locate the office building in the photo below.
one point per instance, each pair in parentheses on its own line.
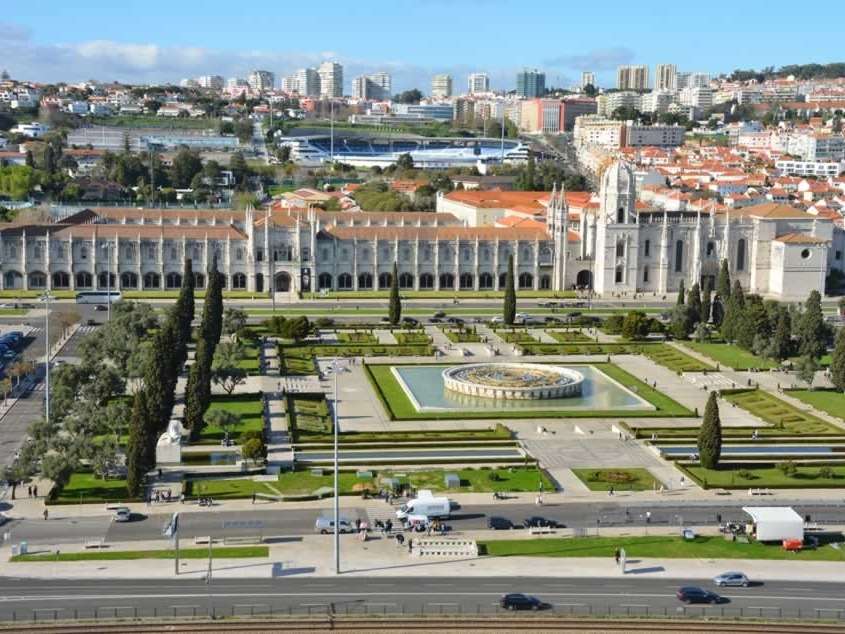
(588,79)
(632,77)
(371,87)
(384,81)
(236,82)
(331,80)
(478,82)
(211,82)
(553,116)
(530,84)
(441,86)
(436,111)
(306,82)
(261,80)
(665,76)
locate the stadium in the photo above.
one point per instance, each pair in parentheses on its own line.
(362,151)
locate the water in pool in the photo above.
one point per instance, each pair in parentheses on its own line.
(424,386)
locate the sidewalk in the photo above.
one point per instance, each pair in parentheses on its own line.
(312,556)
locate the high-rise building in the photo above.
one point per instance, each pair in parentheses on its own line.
(371,87)
(306,82)
(261,80)
(632,77)
(530,83)
(331,80)
(441,86)
(478,82)
(236,82)
(698,80)
(665,76)
(588,79)
(212,82)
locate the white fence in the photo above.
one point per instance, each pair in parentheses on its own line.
(425,547)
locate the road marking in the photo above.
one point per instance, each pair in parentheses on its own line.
(633,605)
(183,607)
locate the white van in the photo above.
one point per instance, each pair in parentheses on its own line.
(425,504)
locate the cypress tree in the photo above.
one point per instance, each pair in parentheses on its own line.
(837,362)
(723,284)
(509,308)
(185,303)
(812,330)
(710,435)
(694,304)
(681,294)
(137,447)
(198,390)
(395,307)
(782,338)
(733,312)
(706,301)
(212,314)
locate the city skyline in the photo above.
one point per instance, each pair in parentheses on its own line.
(36,44)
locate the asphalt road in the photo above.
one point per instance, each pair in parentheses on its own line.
(47,599)
(65,526)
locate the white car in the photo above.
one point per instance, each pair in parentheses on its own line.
(122,514)
(731,579)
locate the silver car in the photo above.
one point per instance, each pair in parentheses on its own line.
(325,525)
(731,579)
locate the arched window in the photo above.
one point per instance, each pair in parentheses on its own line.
(365,280)
(466,281)
(172,280)
(503,280)
(61,280)
(37,279)
(740,255)
(344,281)
(384,280)
(128,280)
(152,280)
(679,256)
(406,280)
(426,280)
(239,281)
(105,280)
(620,215)
(84,280)
(199,280)
(711,249)
(447,281)
(526,280)
(485,281)
(545,282)
(259,283)
(324,281)
(619,274)
(83,253)
(620,248)
(12,279)
(645,274)
(224,281)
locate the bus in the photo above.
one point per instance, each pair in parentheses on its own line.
(98,297)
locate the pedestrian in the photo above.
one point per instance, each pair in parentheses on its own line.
(253,498)
(610,491)
(46,514)
(410,545)
(35,491)
(648,517)
(617,556)
(29,492)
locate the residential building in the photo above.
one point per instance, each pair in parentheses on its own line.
(478,82)
(696,97)
(611,134)
(632,77)
(385,82)
(441,86)
(371,87)
(307,81)
(464,111)
(530,84)
(435,111)
(823,169)
(665,76)
(625,99)
(210,82)
(656,101)
(261,80)
(34,130)
(331,80)
(234,83)
(637,135)
(553,116)
(588,79)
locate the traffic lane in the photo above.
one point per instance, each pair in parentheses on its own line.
(410,595)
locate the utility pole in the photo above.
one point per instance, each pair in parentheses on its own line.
(336,487)
(46,298)
(331,125)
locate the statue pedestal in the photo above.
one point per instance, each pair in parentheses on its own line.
(169,445)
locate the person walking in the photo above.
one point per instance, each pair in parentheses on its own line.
(46,514)
(29,491)
(617,556)
(648,517)
(35,491)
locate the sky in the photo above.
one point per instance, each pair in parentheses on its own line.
(159,41)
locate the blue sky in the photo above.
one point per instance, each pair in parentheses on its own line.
(156,40)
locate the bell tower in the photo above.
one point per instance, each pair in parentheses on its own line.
(617,231)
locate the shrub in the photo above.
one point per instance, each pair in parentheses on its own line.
(826,472)
(788,468)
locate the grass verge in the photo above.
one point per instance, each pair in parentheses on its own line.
(624,479)
(220,552)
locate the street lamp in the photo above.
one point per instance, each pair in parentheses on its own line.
(46,297)
(335,368)
(109,247)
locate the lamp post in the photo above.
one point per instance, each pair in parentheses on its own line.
(109,247)
(336,477)
(46,297)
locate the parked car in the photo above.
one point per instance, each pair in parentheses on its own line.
(693,594)
(439,314)
(410,321)
(455,320)
(325,525)
(518,601)
(100,308)
(435,320)
(122,514)
(498,319)
(536,521)
(731,579)
(499,523)
(553,320)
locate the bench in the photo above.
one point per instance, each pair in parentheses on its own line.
(94,543)
(203,540)
(759,492)
(247,539)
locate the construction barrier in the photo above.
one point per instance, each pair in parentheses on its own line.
(425,547)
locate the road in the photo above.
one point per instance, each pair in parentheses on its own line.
(47,599)
(65,525)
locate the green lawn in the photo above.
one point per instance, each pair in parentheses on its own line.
(657,547)
(783,417)
(251,361)
(584,348)
(515,479)
(296,361)
(675,360)
(84,487)
(516,336)
(568,336)
(500,432)
(412,338)
(444,295)
(622,479)
(21,294)
(13,312)
(381,350)
(829,401)
(767,476)
(400,407)
(308,414)
(356,337)
(731,356)
(218,552)
(461,336)
(152,121)
(248,406)
(226,488)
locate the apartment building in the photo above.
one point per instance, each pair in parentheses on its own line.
(530,84)
(441,86)
(478,83)
(331,80)
(371,87)
(632,77)
(553,116)
(588,79)
(665,76)
(261,80)
(210,82)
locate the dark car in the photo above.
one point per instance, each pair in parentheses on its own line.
(101,308)
(439,314)
(517,601)
(410,321)
(499,523)
(539,522)
(435,320)
(455,320)
(693,594)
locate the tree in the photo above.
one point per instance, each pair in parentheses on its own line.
(226,370)
(635,325)
(694,303)
(807,367)
(224,419)
(753,323)
(408,96)
(813,333)
(509,308)
(590,90)
(405,162)
(782,336)
(198,389)
(137,446)
(681,294)
(234,320)
(394,310)
(254,450)
(733,312)
(185,302)
(297,328)
(723,292)
(706,301)
(161,376)
(681,324)
(710,435)
(837,362)
(186,164)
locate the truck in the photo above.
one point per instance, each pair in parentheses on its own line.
(425,504)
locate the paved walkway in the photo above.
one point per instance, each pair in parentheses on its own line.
(279,450)
(385,337)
